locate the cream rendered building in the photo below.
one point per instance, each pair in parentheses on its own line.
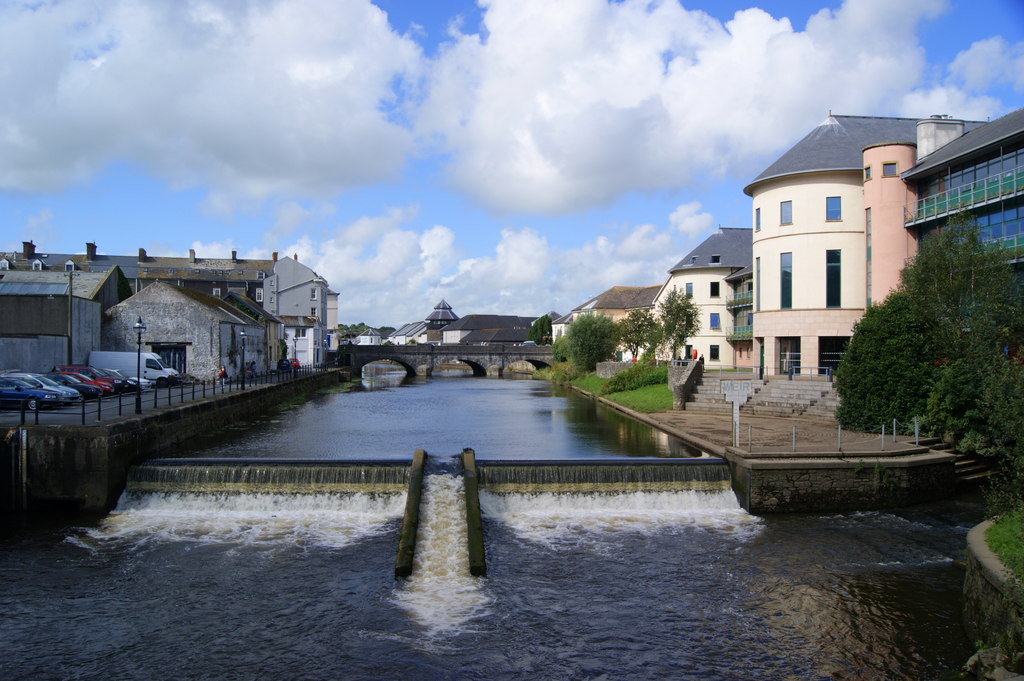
(703,274)
(810,241)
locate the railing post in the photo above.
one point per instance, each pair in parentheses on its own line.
(883,437)
(840,438)
(794,438)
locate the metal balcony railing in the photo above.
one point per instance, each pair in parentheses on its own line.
(740,332)
(977,193)
(740,300)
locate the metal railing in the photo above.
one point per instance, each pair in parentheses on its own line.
(967,196)
(740,332)
(85,412)
(740,299)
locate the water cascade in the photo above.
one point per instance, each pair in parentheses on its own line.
(605,476)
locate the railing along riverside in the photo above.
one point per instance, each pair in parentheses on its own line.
(966,196)
(115,406)
(825,438)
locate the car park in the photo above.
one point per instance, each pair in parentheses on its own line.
(14,393)
(107,386)
(70,396)
(143,383)
(115,385)
(87,391)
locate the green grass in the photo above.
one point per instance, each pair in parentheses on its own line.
(1006,539)
(590,382)
(646,399)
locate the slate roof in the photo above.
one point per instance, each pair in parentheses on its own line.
(622,298)
(53,282)
(732,245)
(473,322)
(837,144)
(495,336)
(442,313)
(410,329)
(975,141)
(741,273)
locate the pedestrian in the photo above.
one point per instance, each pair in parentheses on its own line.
(222,374)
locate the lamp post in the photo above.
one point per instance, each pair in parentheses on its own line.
(242,334)
(140,328)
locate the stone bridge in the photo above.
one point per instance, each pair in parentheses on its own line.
(420,360)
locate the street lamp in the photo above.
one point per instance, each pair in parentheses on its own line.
(242,334)
(140,328)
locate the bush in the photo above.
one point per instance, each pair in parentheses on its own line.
(637,376)
(559,349)
(589,340)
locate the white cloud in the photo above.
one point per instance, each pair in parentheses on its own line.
(250,98)
(689,221)
(556,108)
(989,62)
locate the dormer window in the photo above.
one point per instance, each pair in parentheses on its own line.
(69,266)
(5,264)
(716,259)
(37,265)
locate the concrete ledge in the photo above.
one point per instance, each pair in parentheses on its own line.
(993,602)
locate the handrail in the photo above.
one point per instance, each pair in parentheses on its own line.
(966,196)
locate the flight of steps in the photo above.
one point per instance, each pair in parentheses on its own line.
(775,397)
(971,469)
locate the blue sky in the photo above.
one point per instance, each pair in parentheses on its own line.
(511,156)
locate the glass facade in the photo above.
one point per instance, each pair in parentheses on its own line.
(786,281)
(833,278)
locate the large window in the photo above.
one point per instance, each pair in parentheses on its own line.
(786,281)
(757,284)
(716,320)
(689,289)
(833,279)
(786,213)
(757,219)
(833,208)
(713,352)
(714,289)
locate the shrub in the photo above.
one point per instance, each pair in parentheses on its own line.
(589,340)
(637,376)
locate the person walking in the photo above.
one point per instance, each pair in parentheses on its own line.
(222,374)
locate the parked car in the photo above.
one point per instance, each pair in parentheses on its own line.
(70,396)
(130,363)
(88,392)
(106,386)
(284,364)
(136,383)
(117,385)
(14,392)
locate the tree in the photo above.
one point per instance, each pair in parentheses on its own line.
(540,331)
(680,319)
(637,330)
(590,339)
(888,371)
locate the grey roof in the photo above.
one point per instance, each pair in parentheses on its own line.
(622,298)
(495,336)
(740,274)
(442,313)
(86,284)
(732,245)
(410,329)
(473,322)
(838,143)
(974,142)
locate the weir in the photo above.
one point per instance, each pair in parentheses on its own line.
(604,476)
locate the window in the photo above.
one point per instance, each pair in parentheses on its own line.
(689,289)
(757,219)
(867,173)
(261,275)
(69,266)
(312,312)
(786,281)
(713,353)
(300,333)
(216,293)
(833,278)
(259,295)
(37,265)
(786,213)
(757,284)
(890,169)
(833,208)
(716,322)
(867,235)
(5,264)
(312,293)
(716,259)
(715,286)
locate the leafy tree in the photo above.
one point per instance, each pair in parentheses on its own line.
(559,349)
(540,331)
(680,319)
(887,372)
(638,329)
(590,339)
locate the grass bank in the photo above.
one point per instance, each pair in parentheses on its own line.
(644,398)
(1006,539)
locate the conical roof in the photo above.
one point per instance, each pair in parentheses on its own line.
(442,314)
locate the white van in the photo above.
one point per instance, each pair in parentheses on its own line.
(153,368)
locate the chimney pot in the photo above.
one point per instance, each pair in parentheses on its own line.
(142,255)
(28,249)
(90,251)
(191,255)
(234,256)
(273,256)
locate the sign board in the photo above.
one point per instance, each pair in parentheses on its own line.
(736,392)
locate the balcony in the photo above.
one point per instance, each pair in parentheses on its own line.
(740,300)
(740,333)
(1004,185)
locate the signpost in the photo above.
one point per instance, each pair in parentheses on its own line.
(737,392)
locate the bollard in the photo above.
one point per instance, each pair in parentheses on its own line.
(840,438)
(794,438)
(917,433)
(750,438)
(883,437)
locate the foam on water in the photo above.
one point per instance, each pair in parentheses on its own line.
(329,520)
(441,595)
(552,517)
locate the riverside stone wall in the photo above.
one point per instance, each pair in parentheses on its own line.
(993,605)
(609,369)
(796,485)
(681,380)
(85,467)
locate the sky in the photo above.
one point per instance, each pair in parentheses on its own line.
(508,156)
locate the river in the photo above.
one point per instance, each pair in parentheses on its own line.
(679,585)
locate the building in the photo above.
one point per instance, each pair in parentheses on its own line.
(299,297)
(704,275)
(837,216)
(614,303)
(458,330)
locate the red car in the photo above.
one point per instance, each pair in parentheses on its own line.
(106,386)
(117,385)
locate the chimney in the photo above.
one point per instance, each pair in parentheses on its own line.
(295,257)
(90,251)
(234,256)
(142,255)
(28,249)
(191,255)
(273,256)
(936,132)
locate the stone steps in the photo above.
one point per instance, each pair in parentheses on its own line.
(769,398)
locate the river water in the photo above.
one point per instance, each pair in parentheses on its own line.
(681,585)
